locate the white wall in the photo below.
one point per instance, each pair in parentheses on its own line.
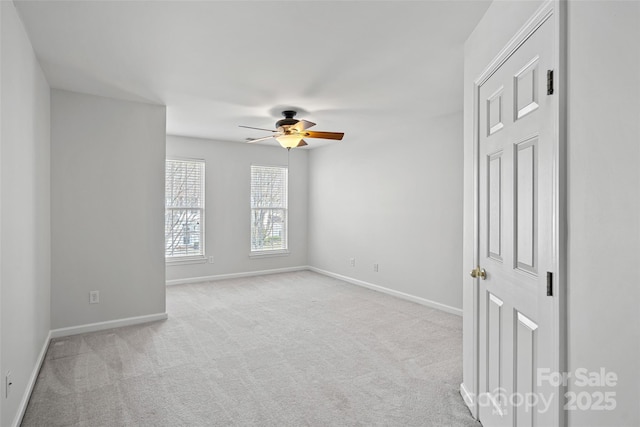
(25,213)
(392,196)
(227,217)
(107,208)
(604,201)
(603,198)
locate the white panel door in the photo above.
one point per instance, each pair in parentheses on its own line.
(516,322)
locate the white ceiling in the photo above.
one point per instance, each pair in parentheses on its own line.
(218,64)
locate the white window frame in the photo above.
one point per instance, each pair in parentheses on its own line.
(259,253)
(198,258)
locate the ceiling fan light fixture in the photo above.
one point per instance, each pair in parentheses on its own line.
(289,141)
(290,132)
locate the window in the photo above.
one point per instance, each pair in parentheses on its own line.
(268,209)
(184,210)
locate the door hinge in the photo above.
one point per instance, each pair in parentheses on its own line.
(549,82)
(549,284)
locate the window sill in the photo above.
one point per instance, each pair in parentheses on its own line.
(268,254)
(185,260)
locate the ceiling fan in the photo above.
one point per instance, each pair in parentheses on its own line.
(290,132)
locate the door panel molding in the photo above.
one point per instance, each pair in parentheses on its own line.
(494,112)
(525,367)
(525,95)
(526,200)
(494,206)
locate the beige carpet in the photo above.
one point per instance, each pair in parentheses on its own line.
(295,349)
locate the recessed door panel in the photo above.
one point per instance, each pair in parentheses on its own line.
(526,89)
(494,205)
(525,205)
(494,345)
(525,370)
(494,112)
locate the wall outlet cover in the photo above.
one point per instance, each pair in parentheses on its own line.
(94,297)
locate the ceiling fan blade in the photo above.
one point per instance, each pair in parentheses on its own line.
(302,143)
(249,127)
(324,135)
(250,140)
(303,125)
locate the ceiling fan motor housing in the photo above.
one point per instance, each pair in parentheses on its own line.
(288,120)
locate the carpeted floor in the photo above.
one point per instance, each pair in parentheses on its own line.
(295,349)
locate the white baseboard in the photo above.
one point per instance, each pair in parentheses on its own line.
(22,407)
(234,275)
(408,297)
(100,326)
(468,399)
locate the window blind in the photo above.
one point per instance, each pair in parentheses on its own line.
(184,208)
(269,186)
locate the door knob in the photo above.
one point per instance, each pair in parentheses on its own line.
(479,272)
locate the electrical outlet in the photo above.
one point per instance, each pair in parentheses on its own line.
(352,261)
(7,384)
(375,267)
(94,297)
(211,259)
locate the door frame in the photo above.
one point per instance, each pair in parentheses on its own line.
(554,10)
